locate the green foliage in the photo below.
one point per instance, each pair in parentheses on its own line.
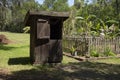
(26,29)
(73,49)
(48,4)
(5,17)
(69,24)
(15,56)
(15,61)
(55,5)
(15,27)
(60,6)
(108,52)
(111,22)
(94,53)
(84,18)
(94,33)
(97,15)
(12,13)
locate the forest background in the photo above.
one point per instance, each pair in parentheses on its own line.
(87,17)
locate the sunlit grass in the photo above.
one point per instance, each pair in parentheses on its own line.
(67,60)
(109,61)
(15,58)
(19,48)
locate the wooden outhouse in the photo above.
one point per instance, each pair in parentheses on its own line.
(45,36)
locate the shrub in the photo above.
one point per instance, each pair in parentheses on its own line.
(74,51)
(94,53)
(15,27)
(108,52)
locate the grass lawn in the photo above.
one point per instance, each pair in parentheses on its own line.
(14,65)
(15,56)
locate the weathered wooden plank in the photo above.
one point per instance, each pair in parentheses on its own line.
(55,54)
(50,13)
(97,44)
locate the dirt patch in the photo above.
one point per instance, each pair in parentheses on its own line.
(4,74)
(4,39)
(4,71)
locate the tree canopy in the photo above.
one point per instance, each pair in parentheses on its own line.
(84,14)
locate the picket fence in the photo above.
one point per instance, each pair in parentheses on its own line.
(84,45)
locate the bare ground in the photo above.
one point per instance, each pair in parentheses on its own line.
(4,39)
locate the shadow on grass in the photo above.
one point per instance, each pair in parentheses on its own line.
(20,60)
(6,47)
(71,71)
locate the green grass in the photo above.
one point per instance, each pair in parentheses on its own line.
(15,58)
(17,49)
(12,56)
(109,61)
(67,60)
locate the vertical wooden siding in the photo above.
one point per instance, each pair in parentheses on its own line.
(42,41)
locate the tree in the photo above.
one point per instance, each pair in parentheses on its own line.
(17,10)
(55,5)
(69,25)
(60,5)
(5,17)
(48,4)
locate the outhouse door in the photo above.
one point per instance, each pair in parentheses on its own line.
(55,54)
(42,41)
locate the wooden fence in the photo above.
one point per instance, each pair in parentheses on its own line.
(85,45)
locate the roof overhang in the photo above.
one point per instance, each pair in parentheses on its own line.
(46,14)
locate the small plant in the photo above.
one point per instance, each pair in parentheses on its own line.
(26,29)
(108,52)
(94,53)
(73,51)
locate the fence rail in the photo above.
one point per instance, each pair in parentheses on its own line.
(85,45)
